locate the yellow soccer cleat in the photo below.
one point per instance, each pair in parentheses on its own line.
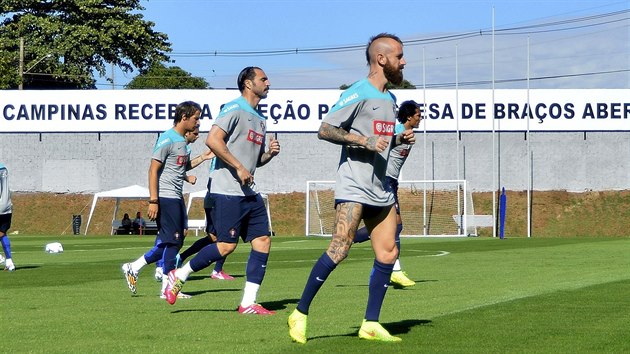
(371,330)
(400,280)
(297,326)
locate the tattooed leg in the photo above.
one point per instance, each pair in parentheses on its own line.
(346,224)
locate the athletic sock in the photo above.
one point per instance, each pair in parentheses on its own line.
(397,266)
(138,264)
(205,257)
(218,266)
(256,267)
(168,257)
(361,235)
(379,281)
(195,247)
(320,272)
(183,272)
(6,246)
(249,294)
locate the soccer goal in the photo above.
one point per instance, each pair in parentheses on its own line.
(428,208)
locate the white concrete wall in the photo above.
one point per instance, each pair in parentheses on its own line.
(89,162)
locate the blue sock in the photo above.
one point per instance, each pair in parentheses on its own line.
(168,257)
(320,272)
(6,246)
(361,235)
(256,267)
(155,255)
(205,257)
(218,266)
(398,231)
(379,280)
(195,247)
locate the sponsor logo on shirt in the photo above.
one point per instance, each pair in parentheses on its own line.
(255,137)
(382,127)
(348,99)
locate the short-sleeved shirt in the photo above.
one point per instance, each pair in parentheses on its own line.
(173,152)
(398,155)
(363,110)
(6,206)
(245,139)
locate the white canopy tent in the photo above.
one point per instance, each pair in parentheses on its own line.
(131,192)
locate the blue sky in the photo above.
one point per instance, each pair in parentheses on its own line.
(572,54)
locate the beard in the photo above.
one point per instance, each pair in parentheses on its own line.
(393,74)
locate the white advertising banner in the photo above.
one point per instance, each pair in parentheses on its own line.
(302,110)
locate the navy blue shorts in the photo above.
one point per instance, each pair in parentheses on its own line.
(391,184)
(172,220)
(237,216)
(369,211)
(5,222)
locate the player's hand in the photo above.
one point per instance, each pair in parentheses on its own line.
(274,147)
(192,179)
(377,143)
(153,211)
(408,137)
(246,178)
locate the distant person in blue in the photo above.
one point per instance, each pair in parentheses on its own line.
(6,213)
(362,123)
(169,162)
(138,224)
(238,140)
(408,118)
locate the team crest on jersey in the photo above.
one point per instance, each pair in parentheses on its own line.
(177,235)
(382,127)
(404,152)
(255,137)
(182,160)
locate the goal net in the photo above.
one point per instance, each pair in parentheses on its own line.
(427,208)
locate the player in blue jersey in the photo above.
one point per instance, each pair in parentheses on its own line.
(238,140)
(169,162)
(408,118)
(362,123)
(6,213)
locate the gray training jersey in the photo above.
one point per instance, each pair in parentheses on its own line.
(363,110)
(6,207)
(172,151)
(398,155)
(245,139)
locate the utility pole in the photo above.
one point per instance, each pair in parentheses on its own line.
(21,66)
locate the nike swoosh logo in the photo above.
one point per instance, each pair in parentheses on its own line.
(375,108)
(319,279)
(385,285)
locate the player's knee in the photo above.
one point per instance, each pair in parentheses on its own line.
(262,244)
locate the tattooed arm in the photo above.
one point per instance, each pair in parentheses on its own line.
(340,136)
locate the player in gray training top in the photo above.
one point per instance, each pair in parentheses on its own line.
(6,212)
(238,140)
(169,162)
(408,118)
(362,122)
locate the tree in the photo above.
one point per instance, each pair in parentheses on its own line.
(158,76)
(69,40)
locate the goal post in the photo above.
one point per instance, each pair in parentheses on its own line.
(429,208)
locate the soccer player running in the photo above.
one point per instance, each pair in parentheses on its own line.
(169,162)
(408,118)
(6,213)
(238,140)
(362,122)
(208,204)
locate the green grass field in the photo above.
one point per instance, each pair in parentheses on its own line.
(473,295)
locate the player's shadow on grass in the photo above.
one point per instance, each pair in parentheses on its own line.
(394,328)
(207,277)
(391,286)
(269,305)
(199,292)
(25,267)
